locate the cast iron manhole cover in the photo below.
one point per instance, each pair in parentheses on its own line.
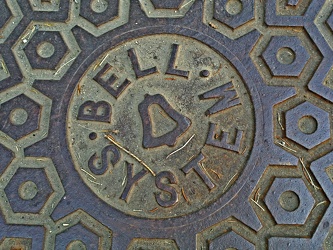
(154,124)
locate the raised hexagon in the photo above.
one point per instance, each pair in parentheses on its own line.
(9,22)
(28,190)
(29,187)
(291,12)
(231,240)
(324,22)
(228,234)
(25,115)
(316,128)
(323,171)
(105,18)
(321,83)
(233,18)
(290,54)
(233,13)
(19,117)
(78,231)
(45,49)
(153,11)
(40,5)
(285,56)
(292,7)
(289,201)
(99,12)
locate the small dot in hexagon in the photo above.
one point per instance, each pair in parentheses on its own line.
(28,190)
(45,49)
(76,245)
(18,116)
(285,55)
(289,201)
(98,6)
(234,7)
(307,124)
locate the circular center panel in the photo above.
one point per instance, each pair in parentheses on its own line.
(160,126)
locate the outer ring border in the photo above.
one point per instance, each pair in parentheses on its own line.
(250,84)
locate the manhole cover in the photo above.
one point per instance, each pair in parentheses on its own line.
(166,124)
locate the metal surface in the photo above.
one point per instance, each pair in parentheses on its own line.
(174,124)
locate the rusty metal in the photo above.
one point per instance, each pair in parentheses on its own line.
(148,124)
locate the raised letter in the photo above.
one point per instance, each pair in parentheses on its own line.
(167,188)
(223,142)
(131,180)
(92,111)
(107,84)
(106,158)
(194,164)
(172,69)
(228,98)
(136,65)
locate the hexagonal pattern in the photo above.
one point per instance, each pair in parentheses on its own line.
(28,190)
(299,7)
(321,83)
(17,117)
(324,22)
(280,60)
(228,234)
(232,18)
(40,5)
(45,50)
(78,230)
(64,63)
(231,240)
(291,12)
(153,12)
(306,201)
(103,25)
(285,66)
(51,200)
(318,135)
(323,171)
(99,12)
(10,24)
(292,51)
(282,205)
